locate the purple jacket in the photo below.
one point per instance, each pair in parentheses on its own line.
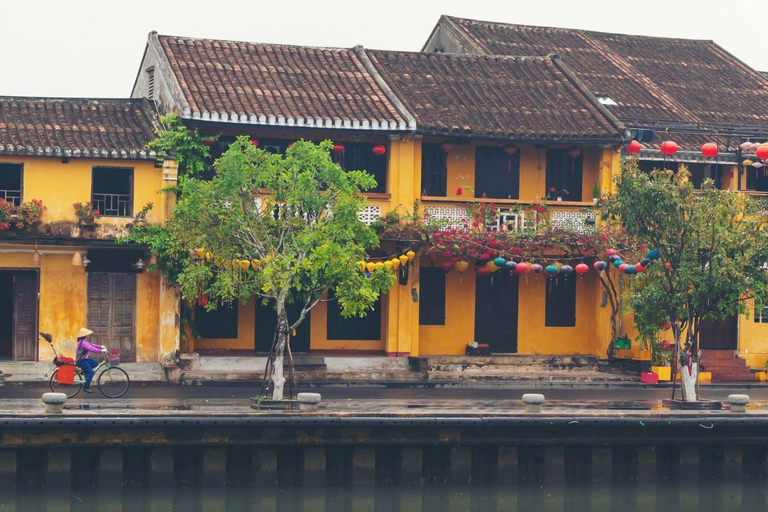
(84,349)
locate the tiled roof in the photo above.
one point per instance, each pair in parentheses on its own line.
(88,128)
(278,85)
(650,78)
(523,98)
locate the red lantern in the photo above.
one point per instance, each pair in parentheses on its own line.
(446,145)
(255,143)
(634,147)
(459,191)
(521,268)
(338,148)
(762,152)
(573,151)
(581,268)
(622,267)
(379,149)
(639,267)
(510,149)
(709,149)
(482,271)
(448,265)
(208,142)
(596,266)
(668,148)
(610,252)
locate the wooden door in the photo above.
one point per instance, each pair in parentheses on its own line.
(111,312)
(718,335)
(24,316)
(266,323)
(496,311)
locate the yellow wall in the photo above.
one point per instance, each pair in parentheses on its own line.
(753,340)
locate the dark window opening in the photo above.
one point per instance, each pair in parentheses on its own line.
(353,328)
(497,175)
(701,172)
(561,302)
(757,179)
(564,175)
(359,156)
(151,83)
(432,296)
(113,191)
(10,183)
(434,170)
(218,323)
(649,165)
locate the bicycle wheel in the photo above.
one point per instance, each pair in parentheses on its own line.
(68,389)
(114,382)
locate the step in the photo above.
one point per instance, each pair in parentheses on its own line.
(29,371)
(718,354)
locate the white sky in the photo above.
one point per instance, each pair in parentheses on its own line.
(90,48)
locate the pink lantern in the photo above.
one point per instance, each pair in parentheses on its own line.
(448,265)
(581,269)
(521,268)
(746,147)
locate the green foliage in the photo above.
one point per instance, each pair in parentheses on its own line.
(184,145)
(713,246)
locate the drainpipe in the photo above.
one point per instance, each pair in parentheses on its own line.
(170,298)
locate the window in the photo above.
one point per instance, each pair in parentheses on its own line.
(151,83)
(761,314)
(113,191)
(561,302)
(564,174)
(10,183)
(353,328)
(432,297)
(434,170)
(497,175)
(358,156)
(700,172)
(219,323)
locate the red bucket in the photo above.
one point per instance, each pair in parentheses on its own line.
(66,374)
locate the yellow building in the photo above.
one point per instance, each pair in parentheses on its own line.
(512,130)
(63,271)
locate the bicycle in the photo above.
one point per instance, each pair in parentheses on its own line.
(113,381)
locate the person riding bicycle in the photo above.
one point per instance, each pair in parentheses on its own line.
(83,357)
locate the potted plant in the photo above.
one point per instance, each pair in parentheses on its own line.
(29,214)
(86,213)
(595,193)
(478,349)
(6,211)
(141,215)
(556,194)
(662,360)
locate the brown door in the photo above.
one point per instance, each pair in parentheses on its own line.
(718,335)
(24,316)
(111,312)
(496,311)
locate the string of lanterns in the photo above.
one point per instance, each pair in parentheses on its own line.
(708,150)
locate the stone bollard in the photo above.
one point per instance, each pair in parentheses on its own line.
(738,402)
(533,402)
(54,402)
(308,401)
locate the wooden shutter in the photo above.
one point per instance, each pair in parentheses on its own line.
(24,316)
(111,312)
(497,175)
(561,302)
(434,170)
(432,296)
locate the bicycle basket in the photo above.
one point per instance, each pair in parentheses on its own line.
(66,374)
(114,358)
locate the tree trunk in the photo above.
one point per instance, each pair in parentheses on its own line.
(688,381)
(278,378)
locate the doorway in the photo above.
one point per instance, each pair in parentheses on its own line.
(18,315)
(112,312)
(266,323)
(720,335)
(496,311)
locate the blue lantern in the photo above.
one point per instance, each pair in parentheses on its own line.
(617,263)
(550,270)
(566,270)
(645,262)
(614,257)
(602,265)
(500,262)
(653,254)
(511,265)
(630,269)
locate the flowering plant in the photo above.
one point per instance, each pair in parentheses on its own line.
(86,212)
(142,214)
(554,193)
(6,210)
(662,353)
(29,213)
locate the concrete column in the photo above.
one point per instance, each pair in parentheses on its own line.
(315,464)
(507,465)
(577,463)
(364,465)
(170,317)
(110,468)
(646,463)
(411,465)
(602,470)
(554,465)
(161,467)
(461,465)
(214,466)
(264,466)
(7,469)
(733,465)
(59,468)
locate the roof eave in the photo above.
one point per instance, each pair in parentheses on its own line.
(297,122)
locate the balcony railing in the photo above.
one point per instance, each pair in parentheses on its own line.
(113,205)
(12,196)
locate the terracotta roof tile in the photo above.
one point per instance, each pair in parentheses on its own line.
(113,128)
(651,78)
(278,84)
(523,98)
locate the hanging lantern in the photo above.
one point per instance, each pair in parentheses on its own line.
(653,254)
(762,152)
(668,148)
(202,299)
(709,149)
(622,267)
(459,191)
(756,145)
(410,255)
(482,271)
(500,262)
(361,266)
(630,269)
(388,265)
(522,268)
(613,258)
(536,268)
(603,265)
(746,147)
(573,151)
(758,165)
(747,162)
(566,270)
(617,263)
(645,262)
(491,266)
(511,266)
(379,265)
(581,269)
(395,263)
(244,264)
(36,258)
(371,266)
(379,149)
(403,259)
(509,149)
(639,267)
(634,147)
(255,143)
(447,145)
(596,266)
(338,148)
(462,265)
(208,142)
(551,270)
(610,252)
(448,265)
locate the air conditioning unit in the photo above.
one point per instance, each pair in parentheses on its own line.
(276,150)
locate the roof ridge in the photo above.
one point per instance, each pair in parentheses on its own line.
(66,99)
(465,55)
(256,43)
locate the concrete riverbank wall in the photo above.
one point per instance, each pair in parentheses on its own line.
(113,452)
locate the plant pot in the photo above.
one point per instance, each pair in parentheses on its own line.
(559,198)
(478,351)
(664,372)
(87,223)
(643,355)
(623,353)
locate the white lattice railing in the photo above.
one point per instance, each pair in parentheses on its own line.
(577,220)
(369,215)
(455,217)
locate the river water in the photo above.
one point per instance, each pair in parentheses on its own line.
(645,497)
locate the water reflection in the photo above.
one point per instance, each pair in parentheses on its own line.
(633,497)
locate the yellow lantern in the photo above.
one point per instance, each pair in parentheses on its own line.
(371,266)
(208,255)
(361,265)
(245,264)
(403,259)
(410,255)
(255,264)
(379,265)
(747,162)
(201,252)
(492,266)
(388,265)
(395,263)
(462,265)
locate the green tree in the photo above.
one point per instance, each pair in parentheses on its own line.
(712,248)
(283,228)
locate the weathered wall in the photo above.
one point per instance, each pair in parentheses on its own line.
(246,325)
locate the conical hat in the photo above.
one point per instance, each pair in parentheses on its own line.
(83,332)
